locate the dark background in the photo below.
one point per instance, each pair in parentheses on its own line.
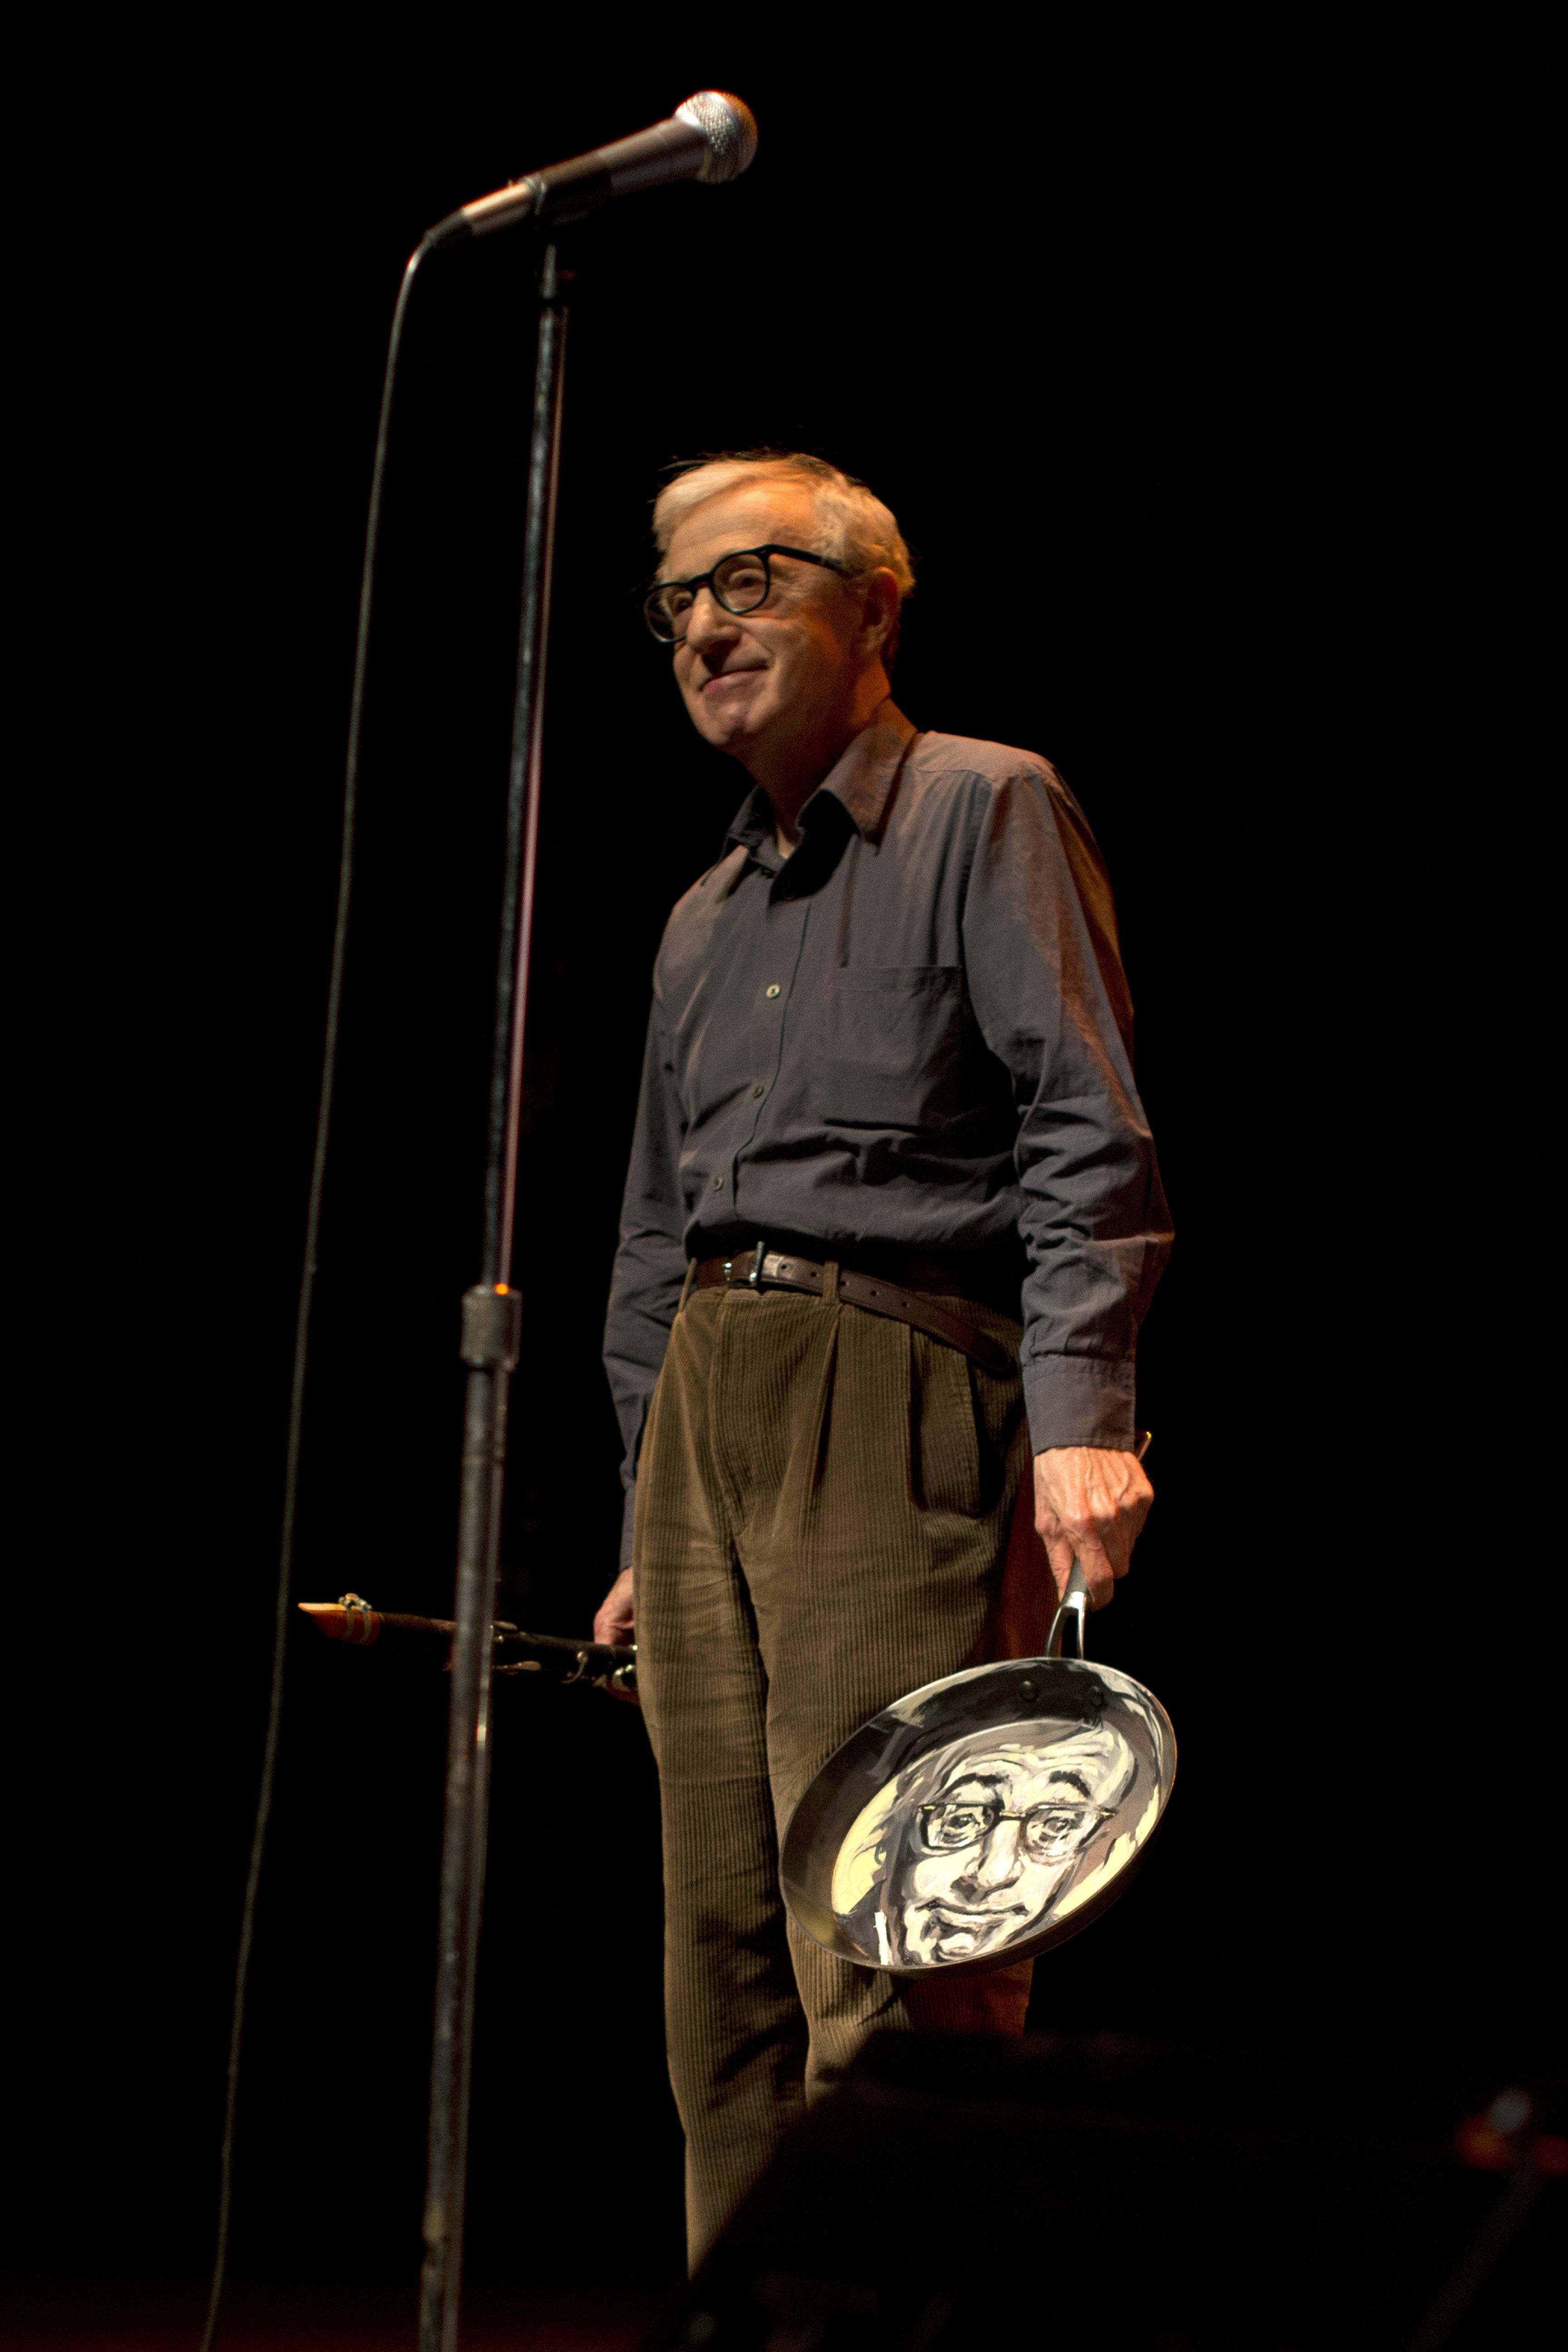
(1145,345)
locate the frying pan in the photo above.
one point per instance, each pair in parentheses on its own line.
(984,1818)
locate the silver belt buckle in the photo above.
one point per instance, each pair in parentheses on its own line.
(759,1257)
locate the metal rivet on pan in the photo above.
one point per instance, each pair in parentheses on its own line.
(1026,1690)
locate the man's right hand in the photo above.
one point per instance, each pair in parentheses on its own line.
(614,1621)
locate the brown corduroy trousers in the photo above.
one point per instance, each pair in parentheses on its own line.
(824,1512)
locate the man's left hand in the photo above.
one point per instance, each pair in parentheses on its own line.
(1091,1503)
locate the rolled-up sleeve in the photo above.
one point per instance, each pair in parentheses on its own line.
(1046,987)
(650,1261)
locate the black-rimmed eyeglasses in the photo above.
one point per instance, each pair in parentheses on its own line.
(741,582)
(1049,1830)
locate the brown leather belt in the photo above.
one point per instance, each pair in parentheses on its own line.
(765,1269)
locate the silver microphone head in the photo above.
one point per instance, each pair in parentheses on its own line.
(730,127)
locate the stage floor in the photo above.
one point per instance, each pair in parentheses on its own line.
(166,2315)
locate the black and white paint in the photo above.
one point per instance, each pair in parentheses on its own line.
(996,1836)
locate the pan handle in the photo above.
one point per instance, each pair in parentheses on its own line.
(1074,1605)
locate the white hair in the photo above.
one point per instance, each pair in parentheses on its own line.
(853,525)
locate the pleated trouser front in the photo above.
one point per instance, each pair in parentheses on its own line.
(824,1512)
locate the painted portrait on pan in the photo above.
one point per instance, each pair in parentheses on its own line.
(988,1839)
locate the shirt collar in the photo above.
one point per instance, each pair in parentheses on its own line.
(754,824)
(860,779)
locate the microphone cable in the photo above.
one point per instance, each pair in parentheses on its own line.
(307,1289)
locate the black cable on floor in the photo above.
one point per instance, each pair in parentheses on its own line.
(307,1292)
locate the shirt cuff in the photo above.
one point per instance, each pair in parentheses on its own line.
(1080,1401)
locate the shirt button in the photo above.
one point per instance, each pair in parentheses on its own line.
(757,1093)
(771,989)
(718,1183)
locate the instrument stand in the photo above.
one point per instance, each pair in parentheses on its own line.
(490,1339)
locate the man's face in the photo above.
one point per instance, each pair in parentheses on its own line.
(1004,1833)
(757,682)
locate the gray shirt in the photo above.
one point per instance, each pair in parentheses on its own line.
(914,1033)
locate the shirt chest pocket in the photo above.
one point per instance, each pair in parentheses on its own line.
(892,1046)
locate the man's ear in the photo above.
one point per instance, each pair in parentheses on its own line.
(880,621)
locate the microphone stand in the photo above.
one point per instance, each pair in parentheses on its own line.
(490,1336)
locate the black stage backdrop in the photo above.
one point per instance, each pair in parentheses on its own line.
(1137,383)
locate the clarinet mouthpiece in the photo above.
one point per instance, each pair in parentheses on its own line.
(349,1618)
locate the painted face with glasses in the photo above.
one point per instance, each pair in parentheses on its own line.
(985,1855)
(777,646)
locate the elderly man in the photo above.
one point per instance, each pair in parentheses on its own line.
(892,1220)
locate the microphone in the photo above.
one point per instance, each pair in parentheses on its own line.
(712,138)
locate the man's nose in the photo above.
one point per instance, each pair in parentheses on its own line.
(709,624)
(1000,1858)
